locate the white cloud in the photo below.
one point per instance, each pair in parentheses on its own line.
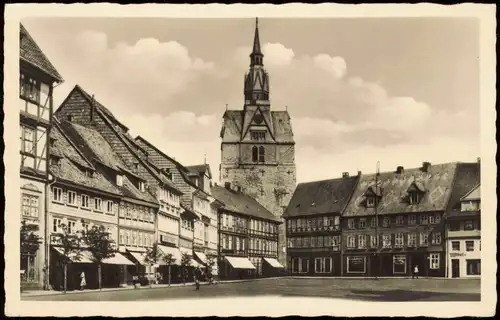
(341,121)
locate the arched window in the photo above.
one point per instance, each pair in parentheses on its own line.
(255,154)
(261,154)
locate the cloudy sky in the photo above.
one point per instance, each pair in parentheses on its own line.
(400,91)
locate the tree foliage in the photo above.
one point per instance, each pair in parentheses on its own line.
(153,255)
(99,243)
(30,240)
(185,263)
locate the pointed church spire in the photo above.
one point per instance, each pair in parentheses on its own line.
(256,55)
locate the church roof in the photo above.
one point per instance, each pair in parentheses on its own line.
(437,182)
(30,52)
(319,197)
(242,203)
(233,126)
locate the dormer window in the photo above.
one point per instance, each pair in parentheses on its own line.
(370,202)
(142,186)
(119,180)
(414,197)
(372,196)
(415,192)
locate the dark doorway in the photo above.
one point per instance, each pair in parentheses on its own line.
(455,268)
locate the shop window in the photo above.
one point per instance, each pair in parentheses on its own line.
(399,264)
(304,265)
(356,264)
(323,265)
(473,267)
(434,261)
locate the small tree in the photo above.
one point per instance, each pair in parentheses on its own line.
(152,257)
(99,244)
(169,260)
(185,263)
(30,240)
(211,261)
(70,242)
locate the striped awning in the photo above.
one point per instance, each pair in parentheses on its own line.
(274,263)
(118,259)
(240,263)
(82,257)
(201,256)
(139,256)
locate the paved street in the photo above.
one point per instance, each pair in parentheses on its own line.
(355,289)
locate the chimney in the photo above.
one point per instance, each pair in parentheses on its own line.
(479,160)
(227,185)
(359,173)
(400,169)
(345,174)
(426,166)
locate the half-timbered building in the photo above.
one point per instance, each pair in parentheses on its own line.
(37,77)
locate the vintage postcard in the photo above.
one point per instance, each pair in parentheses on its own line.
(250,160)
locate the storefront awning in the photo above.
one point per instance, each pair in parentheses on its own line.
(118,259)
(139,256)
(201,256)
(274,263)
(176,254)
(82,257)
(190,253)
(240,263)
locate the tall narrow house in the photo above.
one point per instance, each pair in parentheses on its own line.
(37,77)
(258,149)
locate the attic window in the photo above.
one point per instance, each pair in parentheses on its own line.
(142,186)
(54,161)
(136,165)
(119,180)
(257,135)
(414,197)
(370,202)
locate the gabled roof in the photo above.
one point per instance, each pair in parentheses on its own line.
(200,169)
(72,166)
(32,54)
(233,125)
(241,203)
(437,181)
(320,197)
(474,194)
(467,178)
(95,148)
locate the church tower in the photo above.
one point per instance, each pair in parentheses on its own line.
(257,149)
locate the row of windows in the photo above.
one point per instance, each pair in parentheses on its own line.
(136,238)
(357,264)
(321,265)
(169,197)
(468,225)
(137,213)
(239,224)
(469,245)
(414,197)
(257,135)
(314,242)
(72,226)
(393,240)
(239,244)
(83,201)
(411,219)
(321,223)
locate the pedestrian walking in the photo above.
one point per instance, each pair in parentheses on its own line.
(83,282)
(415,272)
(197,276)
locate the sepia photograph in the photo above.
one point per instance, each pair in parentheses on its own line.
(218,157)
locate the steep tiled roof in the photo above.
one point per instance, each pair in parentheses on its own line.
(474,194)
(327,196)
(468,176)
(233,124)
(72,165)
(241,203)
(437,181)
(199,169)
(31,53)
(93,145)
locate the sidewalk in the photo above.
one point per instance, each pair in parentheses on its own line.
(34,293)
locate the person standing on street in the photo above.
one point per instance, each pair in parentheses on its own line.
(83,283)
(415,272)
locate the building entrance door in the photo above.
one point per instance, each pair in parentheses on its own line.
(455,268)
